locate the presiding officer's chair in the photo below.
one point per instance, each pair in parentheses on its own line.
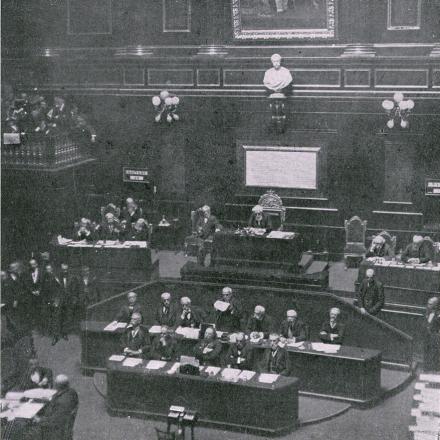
(354,251)
(273,206)
(110,208)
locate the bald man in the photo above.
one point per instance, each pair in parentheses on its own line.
(166,313)
(127,310)
(431,336)
(135,341)
(332,330)
(416,252)
(371,298)
(292,327)
(259,322)
(58,412)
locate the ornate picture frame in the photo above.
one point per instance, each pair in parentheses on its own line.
(284,19)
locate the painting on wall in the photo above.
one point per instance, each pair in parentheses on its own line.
(284,19)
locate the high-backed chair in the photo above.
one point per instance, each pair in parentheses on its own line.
(354,251)
(273,206)
(110,208)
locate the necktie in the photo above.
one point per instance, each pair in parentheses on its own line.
(65,282)
(290,331)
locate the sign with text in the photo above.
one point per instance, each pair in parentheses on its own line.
(432,187)
(135,175)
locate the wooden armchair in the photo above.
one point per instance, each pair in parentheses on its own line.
(354,251)
(273,206)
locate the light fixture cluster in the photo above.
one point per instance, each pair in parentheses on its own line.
(399,108)
(165,106)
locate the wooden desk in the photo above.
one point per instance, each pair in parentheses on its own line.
(403,285)
(268,409)
(240,250)
(352,373)
(109,262)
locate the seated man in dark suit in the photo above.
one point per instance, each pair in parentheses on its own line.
(431,336)
(332,331)
(371,295)
(208,350)
(109,229)
(126,311)
(379,248)
(259,219)
(189,316)
(229,320)
(84,230)
(135,341)
(139,231)
(292,327)
(166,313)
(36,376)
(417,252)
(259,322)
(131,211)
(164,346)
(58,416)
(239,354)
(275,360)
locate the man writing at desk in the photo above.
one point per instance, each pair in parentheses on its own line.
(332,331)
(417,252)
(134,341)
(259,219)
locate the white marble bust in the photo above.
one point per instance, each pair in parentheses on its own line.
(277,78)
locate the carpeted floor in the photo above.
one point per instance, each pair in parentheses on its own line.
(387,421)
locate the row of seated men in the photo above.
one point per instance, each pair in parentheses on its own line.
(39,297)
(419,251)
(136,340)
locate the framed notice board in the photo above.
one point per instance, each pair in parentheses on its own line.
(432,187)
(135,175)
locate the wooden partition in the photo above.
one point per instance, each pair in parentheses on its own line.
(362,331)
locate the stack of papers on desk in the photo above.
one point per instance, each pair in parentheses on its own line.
(246,375)
(326,348)
(221,306)
(281,235)
(40,393)
(174,368)
(116,358)
(257,231)
(131,362)
(62,240)
(231,374)
(155,365)
(14,395)
(294,344)
(188,332)
(433,378)
(268,378)
(28,410)
(212,371)
(155,329)
(138,244)
(114,325)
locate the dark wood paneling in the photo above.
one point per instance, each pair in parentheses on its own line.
(357,77)
(134,76)
(170,77)
(208,77)
(89,17)
(176,15)
(406,78)
(317,77)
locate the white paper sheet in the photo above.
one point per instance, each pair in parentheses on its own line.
(155,329)
(283,235)
(39,393)
(188,332)
(131,362)
(435,378)
(116,357)
(111,327)
(155,365)
(174,368)
(230,373)
(28,410)
(268,378)
(221,306)
(247,375)
(212,371)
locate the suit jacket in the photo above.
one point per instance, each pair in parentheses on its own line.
(230,320)
(245,355)
(298,329)
(169,318)
(52,292)
(384,250)
(338,330)
(371,296)
(433,327)
(167,352)
(37,284)
(264,223)
(106,234)
(124,314)
(264,325)
(57,414)
(131,218)
(278,364)
(134,235)
(87,294)
(78,236)
(70,287)
(211,358)
(207,229)
(140,341)
(196,318)
(42,372)
(422,252)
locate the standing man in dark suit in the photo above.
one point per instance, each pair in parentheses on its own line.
(88,293)
(69,285)
(131,212)
(229,320)
(259,219)
(275,360)
(332,331)
(127,310)
(431,336)
(371,294)
(206,226)
(34,280)
(166,313)
(58,417)
(135,341)
(189,316)
(260,322)
(292,327)
(239,354)
(37,376)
